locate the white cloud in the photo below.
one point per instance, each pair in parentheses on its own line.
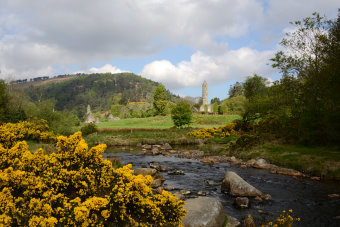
(236,64)
(39,35)
(108,68)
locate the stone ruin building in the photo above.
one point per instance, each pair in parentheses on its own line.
(206,107)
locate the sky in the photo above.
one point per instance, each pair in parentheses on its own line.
(179,43)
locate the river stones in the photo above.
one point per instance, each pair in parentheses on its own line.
(185,192)
(241,202)
(176,172)
(145,171)
(249,221)
(203,212)
(233,222)
(166,146)
(157,183)
(236,186)
(179,195)
(146,146)
(155,151)
(212,183)
(158,166)
(288,172)
(169,188)
(201,193)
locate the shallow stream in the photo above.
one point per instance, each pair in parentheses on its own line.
(308,199)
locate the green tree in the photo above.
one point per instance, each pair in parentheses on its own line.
(115,110)
(160,100)
(254,86)
(215,100)
(181,114)
(234,105)
(311,55)
(236,89)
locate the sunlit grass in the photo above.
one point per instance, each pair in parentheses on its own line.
(164,122)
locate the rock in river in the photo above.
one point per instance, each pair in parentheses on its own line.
(232,222)
(203,212)
(236,186)
(176,172)
(249,221)
(241,202)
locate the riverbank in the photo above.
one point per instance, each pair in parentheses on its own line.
(321,162)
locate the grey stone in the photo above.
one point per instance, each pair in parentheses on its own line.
(155,151)
(157,183)
(185,192)
(204,212)
(233,222)
(145,171)
(201,193)
(166,146)
(179,195)
(241,202)
(169,188)
(212,183)
(112,118)
(90,117)
(249,221)
(155,165)
(236,186)
(146,146)
(176,172)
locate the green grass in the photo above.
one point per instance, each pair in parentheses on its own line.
(319,161)
(126,137)
(165,122)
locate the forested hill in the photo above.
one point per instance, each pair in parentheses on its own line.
(97,90)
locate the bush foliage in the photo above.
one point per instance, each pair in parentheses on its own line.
(75,187)
(221,132)
(181,114)
(89,129)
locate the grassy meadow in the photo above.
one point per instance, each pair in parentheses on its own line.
(165,122)
(314,160)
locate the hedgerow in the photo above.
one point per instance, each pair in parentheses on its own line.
(221,132)
(75,187)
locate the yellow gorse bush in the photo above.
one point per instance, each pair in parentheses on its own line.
(284,220)
(221,132)
(10,133)
(75,187)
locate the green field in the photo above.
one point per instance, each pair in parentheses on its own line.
(165,122)
(319,161)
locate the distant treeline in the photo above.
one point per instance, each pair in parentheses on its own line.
(41,78)
(97,90)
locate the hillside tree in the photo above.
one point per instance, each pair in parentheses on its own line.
(160,100)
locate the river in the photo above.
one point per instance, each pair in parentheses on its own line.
(308,199)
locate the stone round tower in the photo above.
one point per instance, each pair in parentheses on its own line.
(205,93)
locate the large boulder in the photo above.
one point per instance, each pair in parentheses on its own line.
(236,186)
(204,212)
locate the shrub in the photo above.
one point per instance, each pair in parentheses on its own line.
(181,114)
(246,140)
(89,129)
(76,187)
(284,220)
(221,132)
